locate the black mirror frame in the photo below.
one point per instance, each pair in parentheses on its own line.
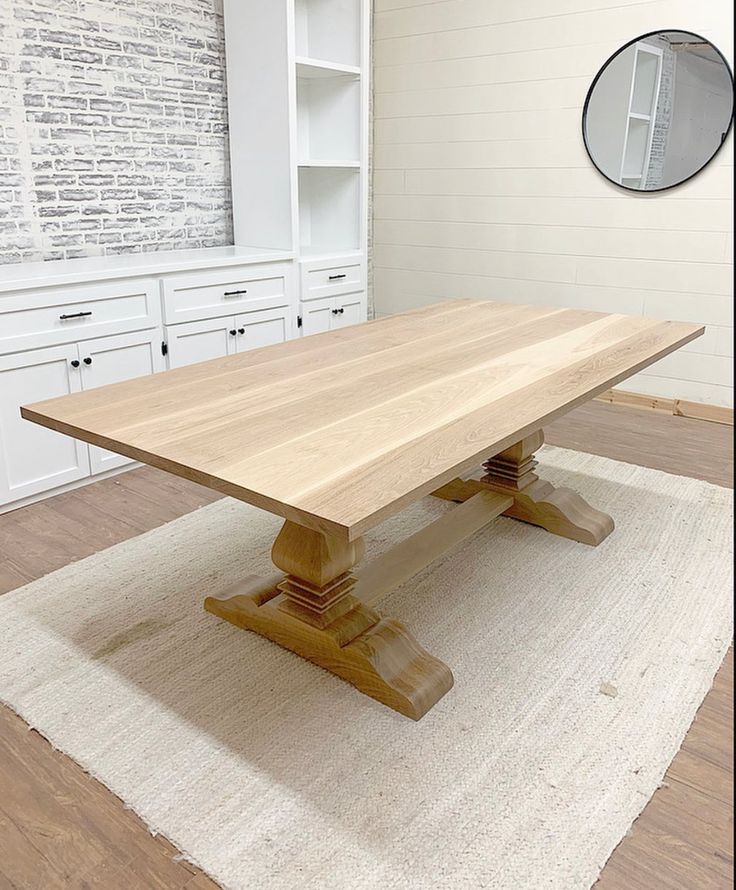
(597,78)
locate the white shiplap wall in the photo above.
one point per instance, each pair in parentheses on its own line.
(482,187)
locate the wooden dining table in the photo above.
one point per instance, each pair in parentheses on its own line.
(339,431)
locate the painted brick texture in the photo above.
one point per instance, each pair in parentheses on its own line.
(113,128)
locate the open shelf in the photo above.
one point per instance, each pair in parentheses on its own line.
(350,165)
(646,79)
(637,145)
(319,68)
(329,209)
(328,30)
(328,121)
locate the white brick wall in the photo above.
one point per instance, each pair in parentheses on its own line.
(113,127)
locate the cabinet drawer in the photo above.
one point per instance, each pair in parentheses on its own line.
(62,315)
(331,279)
(214,294)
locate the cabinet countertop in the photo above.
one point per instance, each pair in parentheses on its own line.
(26,276)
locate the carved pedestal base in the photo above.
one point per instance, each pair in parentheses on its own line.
(312,612)
(558,510)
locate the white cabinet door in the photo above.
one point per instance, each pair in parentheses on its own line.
(32,458)
(317,316)
(112,360)
(256,329)
(199,341)
(348,310)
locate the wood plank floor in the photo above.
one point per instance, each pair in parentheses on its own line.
(60,828)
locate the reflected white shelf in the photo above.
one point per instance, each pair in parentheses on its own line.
(640,117)
(317,68)
(343,165)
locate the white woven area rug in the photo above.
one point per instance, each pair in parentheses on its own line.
(271,774)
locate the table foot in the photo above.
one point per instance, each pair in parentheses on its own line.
(558,510)
(314,614)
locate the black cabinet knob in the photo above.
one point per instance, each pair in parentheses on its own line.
(75,363)
(241,330)
(335,311)
(87,361)
(233,332)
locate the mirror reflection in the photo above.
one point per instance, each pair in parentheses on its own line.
(658,110)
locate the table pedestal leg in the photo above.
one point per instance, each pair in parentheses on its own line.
(559,510)
(313,612)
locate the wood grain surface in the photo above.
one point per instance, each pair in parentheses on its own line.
(338,431)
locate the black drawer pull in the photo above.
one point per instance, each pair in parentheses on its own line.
(336,277)
(75,363)
(241,330)
(87,361)
(341,310)
(74,315)
(234,293)
(335,311)
(233,332)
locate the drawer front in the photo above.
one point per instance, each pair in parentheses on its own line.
(330,280)
(62,315)
(213,294)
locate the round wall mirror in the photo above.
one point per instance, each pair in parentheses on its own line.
(658,110)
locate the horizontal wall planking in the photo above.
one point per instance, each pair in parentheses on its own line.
(397,18)
(540,152)
(450,261)
(717,340)
(703,247)
(638,212)
(549,152)
(540,124)
(573,29)
(716,181)
(397,290)
(653,275)
(566,92)
(557,62)
(697,367)
(656,274)
(669,388)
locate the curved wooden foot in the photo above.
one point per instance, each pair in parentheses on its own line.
(559,510)
(377,655)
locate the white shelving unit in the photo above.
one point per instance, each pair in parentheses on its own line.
(298,81)
(646,74)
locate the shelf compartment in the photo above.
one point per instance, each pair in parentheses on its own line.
(646,77)
(329,210)
(328,30)
(328,120)
(319,68)
(637,144)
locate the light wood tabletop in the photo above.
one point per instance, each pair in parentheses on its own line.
(338,431)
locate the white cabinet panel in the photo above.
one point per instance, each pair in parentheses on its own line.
(317,316)
(191,297)
(256,329)
(348,310)
(200,341)
(57,315)
(32,458)
(341,275)
(112,360)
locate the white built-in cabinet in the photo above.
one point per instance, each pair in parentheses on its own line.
(298,95)
(58,338)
